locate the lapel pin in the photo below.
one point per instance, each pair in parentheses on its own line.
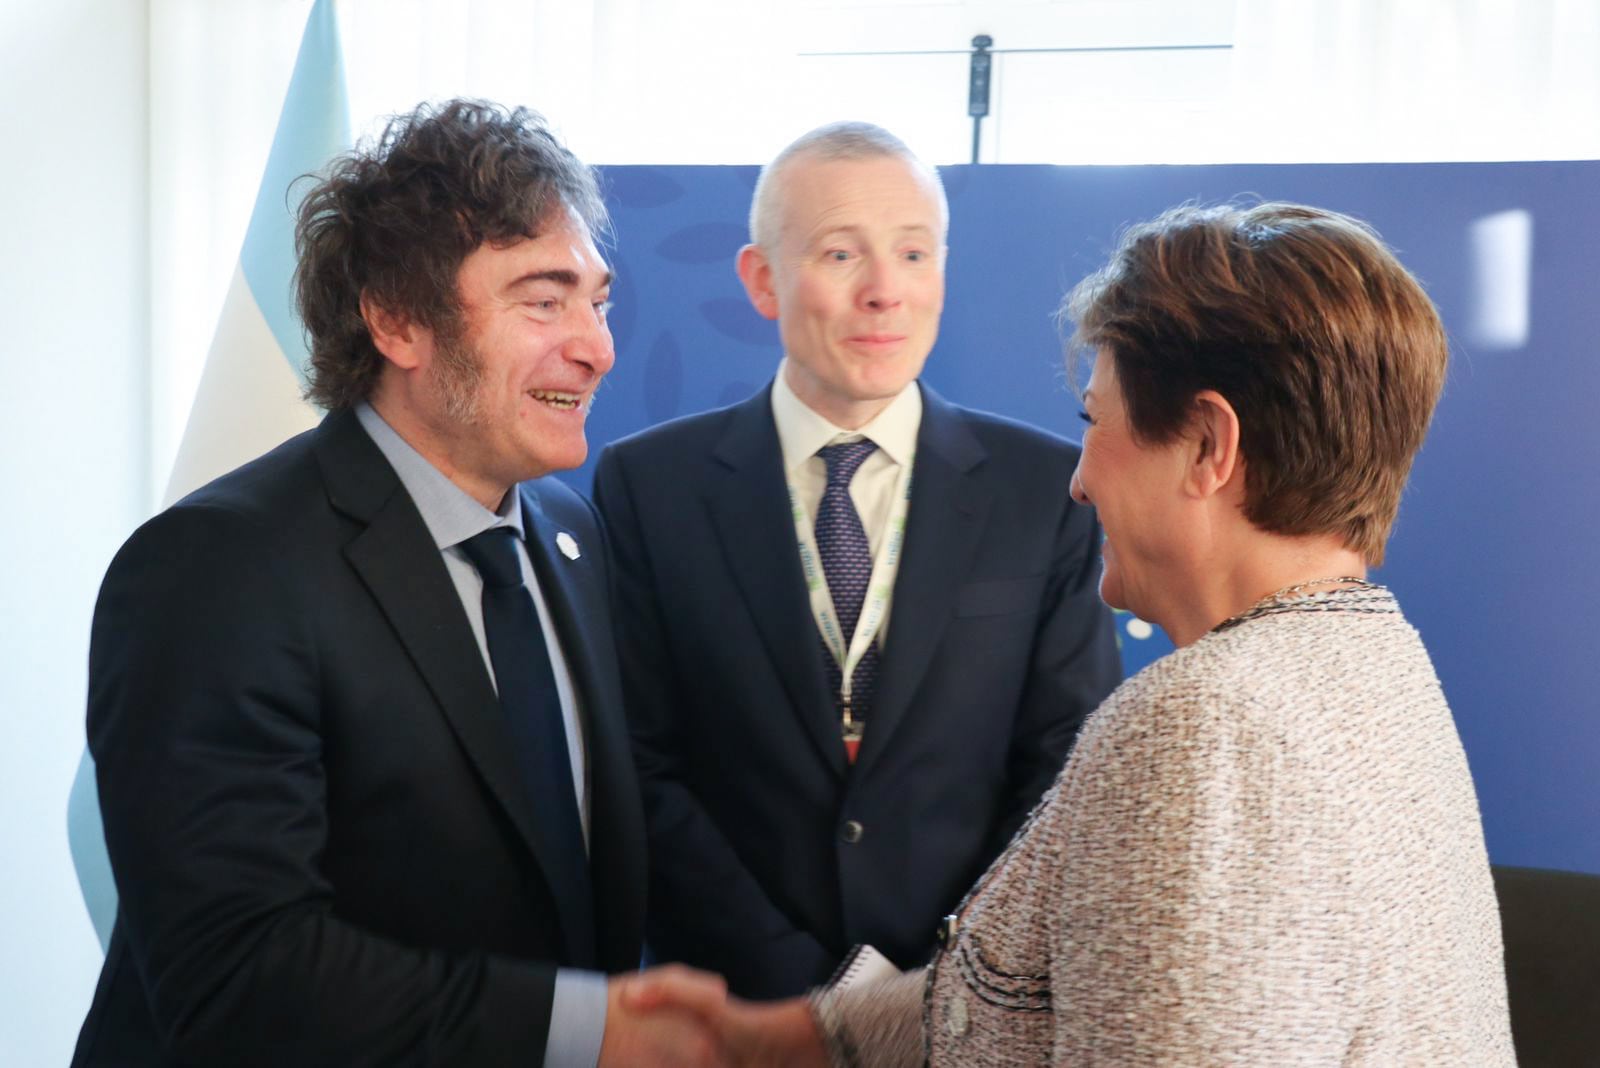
(568,545)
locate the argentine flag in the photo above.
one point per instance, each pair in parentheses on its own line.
(249,396)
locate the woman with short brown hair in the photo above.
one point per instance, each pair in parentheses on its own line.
(1265,847)
(1303,321)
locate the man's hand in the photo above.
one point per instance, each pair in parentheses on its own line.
(774,1034)
(668,1016)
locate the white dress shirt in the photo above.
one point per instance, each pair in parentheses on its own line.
(801,432)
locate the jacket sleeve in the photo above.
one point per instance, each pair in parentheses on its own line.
(1075,664)
(703,898)
(205,722)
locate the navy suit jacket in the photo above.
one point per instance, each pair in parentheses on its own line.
(322,850)
(770,854)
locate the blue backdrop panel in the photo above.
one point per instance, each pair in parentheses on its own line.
(1495,557)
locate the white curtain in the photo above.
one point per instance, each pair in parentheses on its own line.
(1419,80)
(730,81)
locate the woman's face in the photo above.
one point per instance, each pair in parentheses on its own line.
(1136,489)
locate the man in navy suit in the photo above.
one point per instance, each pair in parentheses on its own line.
(858,625)
(353,818)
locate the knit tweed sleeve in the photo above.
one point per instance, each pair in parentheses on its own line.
(1205,912)
(877,1025)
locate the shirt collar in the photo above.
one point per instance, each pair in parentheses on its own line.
(449,512)
(801,431)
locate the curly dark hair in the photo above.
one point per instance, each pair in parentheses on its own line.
(394,218)
(1328,349)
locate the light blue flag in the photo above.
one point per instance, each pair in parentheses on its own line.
(249,398)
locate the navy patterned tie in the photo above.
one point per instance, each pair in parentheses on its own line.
(847,565)
(536,729)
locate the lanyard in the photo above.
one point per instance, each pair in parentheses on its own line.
(879,585)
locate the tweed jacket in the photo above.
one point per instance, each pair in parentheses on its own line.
(1265,850)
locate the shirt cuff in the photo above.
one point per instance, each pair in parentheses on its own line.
(577,1020)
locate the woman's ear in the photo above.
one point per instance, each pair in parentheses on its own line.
(1213,437)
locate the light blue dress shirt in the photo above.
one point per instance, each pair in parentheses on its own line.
(578,1010)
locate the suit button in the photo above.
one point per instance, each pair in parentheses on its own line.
(851,832)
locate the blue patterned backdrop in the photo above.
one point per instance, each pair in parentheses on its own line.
(1495,557)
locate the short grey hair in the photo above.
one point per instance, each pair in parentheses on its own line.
(835,141)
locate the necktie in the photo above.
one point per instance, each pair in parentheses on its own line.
(537,731)
(847,564)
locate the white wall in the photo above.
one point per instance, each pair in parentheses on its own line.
(74,303)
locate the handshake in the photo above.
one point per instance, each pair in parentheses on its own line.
(678,1017)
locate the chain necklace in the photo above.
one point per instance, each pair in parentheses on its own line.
(1274,602)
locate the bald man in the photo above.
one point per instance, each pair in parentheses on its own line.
(846,685)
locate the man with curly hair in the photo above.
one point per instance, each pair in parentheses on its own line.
(354,707)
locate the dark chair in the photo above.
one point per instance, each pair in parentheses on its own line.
(1551,924)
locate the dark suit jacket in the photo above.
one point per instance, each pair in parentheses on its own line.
(770,856)
(321,847)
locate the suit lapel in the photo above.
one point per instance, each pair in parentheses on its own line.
(576,596)
(749,504)
(397,560)
(561,580)
(575,592)
(949,510)
(564,568)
